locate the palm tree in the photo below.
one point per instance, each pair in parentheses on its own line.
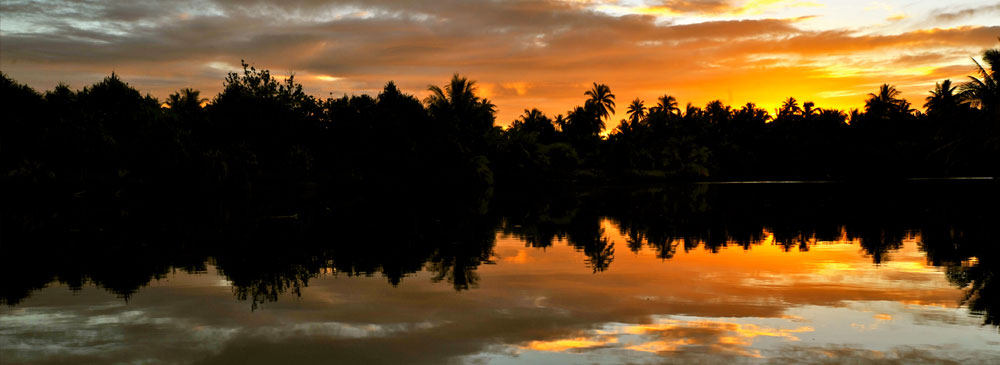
(458,95)
(749,112)
(717,112)
(886,102)
(532,115)
(185,99)
(636,111)
(667,104)
(886,94)
(789,107)
(984,92)
(942,100)
(602,99)
(458,103)
(692,111)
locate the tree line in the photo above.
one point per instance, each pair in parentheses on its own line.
(261,134)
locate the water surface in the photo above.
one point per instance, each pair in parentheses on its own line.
(698,273)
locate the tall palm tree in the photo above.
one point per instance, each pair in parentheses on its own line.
(984,92)
(602,99)
(942,99)
(636,111)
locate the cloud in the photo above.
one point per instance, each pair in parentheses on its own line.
(967,13)
(536,53)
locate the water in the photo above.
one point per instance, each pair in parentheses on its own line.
(759,273)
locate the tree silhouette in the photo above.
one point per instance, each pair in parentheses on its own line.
(984,91)
(942,100)
(601,100)
(789,108)
(886,103)
(636,111)
(458,105)
(666,104)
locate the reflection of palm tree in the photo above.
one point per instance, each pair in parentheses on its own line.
(602,99)
(636,111)
(601,255)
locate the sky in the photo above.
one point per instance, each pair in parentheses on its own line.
(523,54)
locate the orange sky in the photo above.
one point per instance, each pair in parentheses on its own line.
(533,53)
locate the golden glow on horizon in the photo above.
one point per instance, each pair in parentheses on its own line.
(832,53)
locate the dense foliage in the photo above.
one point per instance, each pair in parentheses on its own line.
(262,134)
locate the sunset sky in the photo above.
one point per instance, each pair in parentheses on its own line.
(523,54)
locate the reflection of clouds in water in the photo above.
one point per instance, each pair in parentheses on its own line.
(695,307)
(30,334)
(667,335)
(854,332)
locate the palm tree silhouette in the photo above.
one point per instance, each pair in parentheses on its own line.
(532,115)
(789,108)
(602,99)
(984,92)
(636,111)
(458,103)
(666,104)
(186,99)
(942,99)
(886,102)
(458,95)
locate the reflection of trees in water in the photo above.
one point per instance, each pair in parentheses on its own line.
(981,293)
(878,218)
(265,248)
(969,253)
(269,248)
(878,242)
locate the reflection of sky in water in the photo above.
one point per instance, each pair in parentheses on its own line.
(534,306)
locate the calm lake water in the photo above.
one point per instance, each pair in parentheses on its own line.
(771,273)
